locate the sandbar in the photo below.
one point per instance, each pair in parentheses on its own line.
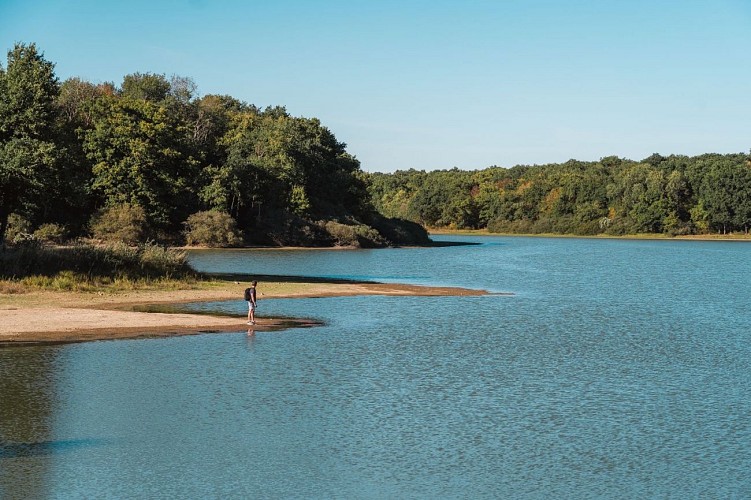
(44,316)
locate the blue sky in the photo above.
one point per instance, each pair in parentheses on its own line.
(436,84)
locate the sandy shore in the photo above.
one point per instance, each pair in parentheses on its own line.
(49,316)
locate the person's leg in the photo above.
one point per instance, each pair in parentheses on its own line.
(250,312)
(252,315)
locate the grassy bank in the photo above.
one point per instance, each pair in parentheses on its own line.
(86,267)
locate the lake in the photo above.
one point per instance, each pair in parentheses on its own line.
(619,369)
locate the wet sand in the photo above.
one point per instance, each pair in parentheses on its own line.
(48,316)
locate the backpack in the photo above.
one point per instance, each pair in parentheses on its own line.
(247,294)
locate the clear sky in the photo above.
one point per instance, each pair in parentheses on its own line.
(436,84)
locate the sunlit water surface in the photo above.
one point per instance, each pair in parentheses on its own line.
(618,369)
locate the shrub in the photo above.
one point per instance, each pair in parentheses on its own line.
(522,226)
(124,223)
(157,260)
(618,227)
(357,235)
(280,227)
(497,225)
(50,233)
(401,231)
(212,229)
(18,228)
(545,225)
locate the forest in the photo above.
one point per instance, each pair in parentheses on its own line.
(673,195)
(150,160)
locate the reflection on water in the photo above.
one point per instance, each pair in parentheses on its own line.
(618,369)
(16,450)
(28,380)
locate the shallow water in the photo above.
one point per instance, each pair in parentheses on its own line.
(618,369)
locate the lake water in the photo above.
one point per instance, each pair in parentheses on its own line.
(618,369)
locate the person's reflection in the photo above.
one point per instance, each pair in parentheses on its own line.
(250,338)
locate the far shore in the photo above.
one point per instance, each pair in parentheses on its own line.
(641,236)
(44,316)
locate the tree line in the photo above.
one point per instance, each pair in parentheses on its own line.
(674,195)
(153,157)
(150,159)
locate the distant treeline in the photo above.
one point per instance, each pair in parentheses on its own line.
(150,160)
(675,195)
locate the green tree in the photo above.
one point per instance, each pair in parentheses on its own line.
(213,229)
(145,86)
(678,199)
(233,186)
(28,88)
(391,194)
(124,223)
(638,194)
(284,163)
(700,217)
(717,192)
(77,99)
(141,157)
(67,198)
(488,201)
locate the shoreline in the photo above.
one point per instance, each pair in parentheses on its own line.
(645,236)
(28,318)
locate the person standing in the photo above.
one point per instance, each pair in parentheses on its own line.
(250,296)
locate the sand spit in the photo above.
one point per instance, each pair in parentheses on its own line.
(47,317)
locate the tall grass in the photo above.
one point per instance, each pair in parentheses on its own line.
(62,267)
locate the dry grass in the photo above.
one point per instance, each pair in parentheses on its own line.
(12,287)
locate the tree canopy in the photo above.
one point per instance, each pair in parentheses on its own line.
(76,154)
(672,195)
(72,153)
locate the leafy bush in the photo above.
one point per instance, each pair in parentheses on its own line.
(18,228)
(212,229)
(401,231)
(50,233)
(522,226)
(123,223)
(357,235)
